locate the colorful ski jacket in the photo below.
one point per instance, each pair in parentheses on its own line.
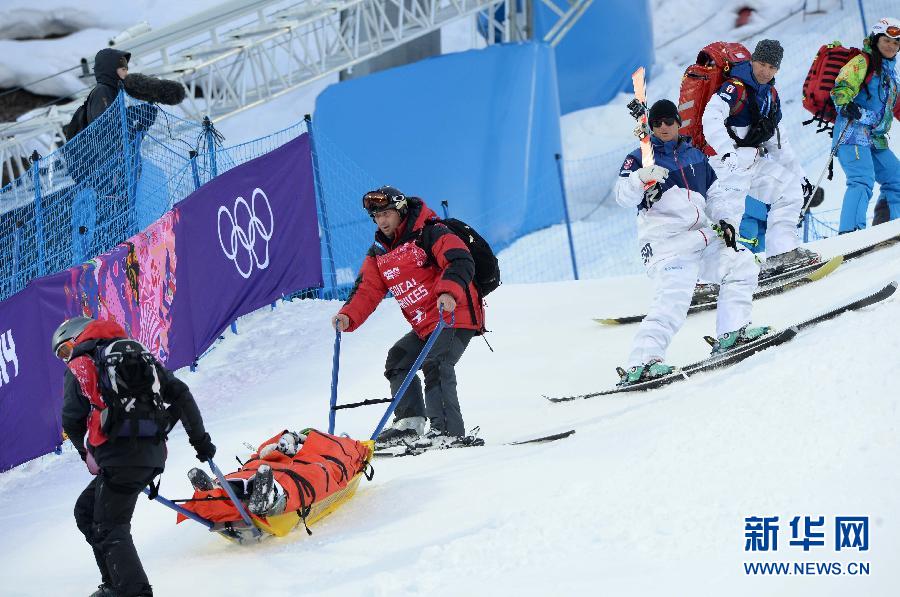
(876,100)
(677,223)
(424,260)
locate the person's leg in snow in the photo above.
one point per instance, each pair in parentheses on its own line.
(84,520)
(887,175)
(443,408)
(441,399)
(115,496)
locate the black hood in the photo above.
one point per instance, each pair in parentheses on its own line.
(105,64)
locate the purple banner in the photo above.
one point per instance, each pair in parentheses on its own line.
(254,237)
(236,244)
(29,409)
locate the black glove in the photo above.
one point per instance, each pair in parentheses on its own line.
(726,231)
(852,111)
(205,448)
(652,194)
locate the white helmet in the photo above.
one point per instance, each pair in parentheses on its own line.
(886,26)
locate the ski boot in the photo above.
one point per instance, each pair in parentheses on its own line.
(200,480)
(638,373)
(731,340)
(437,439)
(704,290)
(403,432)
(266,500)
(786,262)
(104,590)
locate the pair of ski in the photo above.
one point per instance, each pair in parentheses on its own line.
(739,353)
(776,284)
(787,274)
(412,450)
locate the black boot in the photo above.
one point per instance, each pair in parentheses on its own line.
(263,496)
(200,480)
(104,590)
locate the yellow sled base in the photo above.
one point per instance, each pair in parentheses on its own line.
(282,524)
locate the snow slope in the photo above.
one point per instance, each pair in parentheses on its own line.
(648,497)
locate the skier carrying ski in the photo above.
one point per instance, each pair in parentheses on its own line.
(426,267)
(126,457)
(753,155)
(865,92)
(678,245)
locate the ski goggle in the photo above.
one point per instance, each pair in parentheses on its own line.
(375,201)
(64,350)
(882,27)
(657,122)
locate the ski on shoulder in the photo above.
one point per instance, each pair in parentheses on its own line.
(739,353)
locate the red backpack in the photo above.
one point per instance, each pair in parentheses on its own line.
(829,61)
(820,80)
(701,81)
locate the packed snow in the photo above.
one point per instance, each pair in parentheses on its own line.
(650,495)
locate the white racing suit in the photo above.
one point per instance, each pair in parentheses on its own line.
(678,247)
(775,177)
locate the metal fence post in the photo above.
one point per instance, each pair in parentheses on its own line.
(210,146)
(329,274)
(862,16)
(195,172)
(126,154)
(38,210)
(565,203)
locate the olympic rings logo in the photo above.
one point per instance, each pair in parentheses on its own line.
(240,240)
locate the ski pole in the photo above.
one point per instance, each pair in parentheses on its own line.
(237,503)
(335,366)
(827,164)
(184,511)
(415,368)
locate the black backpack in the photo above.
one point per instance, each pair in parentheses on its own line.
(79,120)
(487,268)
(128,378)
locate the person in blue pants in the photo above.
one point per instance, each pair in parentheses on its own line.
(865,92)
(753,224)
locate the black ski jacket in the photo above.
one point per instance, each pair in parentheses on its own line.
(104,94)
(124,451)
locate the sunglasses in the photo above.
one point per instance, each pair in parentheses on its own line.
(657,122)
(64,350)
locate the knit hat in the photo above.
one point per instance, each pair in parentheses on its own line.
(768,51)
(663,109)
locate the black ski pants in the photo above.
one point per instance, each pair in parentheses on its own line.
(441,404)
(103,514)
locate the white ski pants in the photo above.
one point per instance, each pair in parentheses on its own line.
(674,279)
(773,184)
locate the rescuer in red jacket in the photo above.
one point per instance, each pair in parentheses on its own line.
(425,267)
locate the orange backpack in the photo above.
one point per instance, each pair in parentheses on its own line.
(701,81)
